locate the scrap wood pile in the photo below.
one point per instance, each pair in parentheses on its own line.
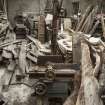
(89,83)
(21,56)
(21,53)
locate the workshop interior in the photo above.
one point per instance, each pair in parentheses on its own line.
(52,52)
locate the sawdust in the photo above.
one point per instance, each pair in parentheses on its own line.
(16,94)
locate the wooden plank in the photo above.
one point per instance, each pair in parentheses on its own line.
(32,58)
(103,25)
(88,10)
(35,41)
(76,48)
(41,29)
(22,57)
(94,27)
(91,20)
(9,43)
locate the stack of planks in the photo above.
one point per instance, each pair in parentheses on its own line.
(18,55)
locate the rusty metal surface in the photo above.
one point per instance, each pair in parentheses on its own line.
(60,71)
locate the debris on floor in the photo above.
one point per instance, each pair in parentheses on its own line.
(52,59)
